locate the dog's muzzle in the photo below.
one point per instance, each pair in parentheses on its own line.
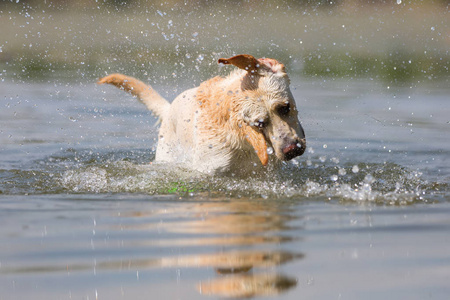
(294,149)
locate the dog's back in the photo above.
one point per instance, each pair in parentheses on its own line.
(177,135)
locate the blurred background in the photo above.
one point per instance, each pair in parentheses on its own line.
(395,41)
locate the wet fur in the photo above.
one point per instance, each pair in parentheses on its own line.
(212,128)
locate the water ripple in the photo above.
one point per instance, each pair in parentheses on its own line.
(126,172)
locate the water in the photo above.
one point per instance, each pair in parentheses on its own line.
(85,214)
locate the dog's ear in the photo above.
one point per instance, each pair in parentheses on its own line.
(258,142)
(244,62)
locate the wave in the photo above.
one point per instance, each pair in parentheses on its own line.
(316,178)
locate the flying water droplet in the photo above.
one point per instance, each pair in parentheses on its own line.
(369,179)
(200,58)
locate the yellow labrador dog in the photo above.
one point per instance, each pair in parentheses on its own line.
(237,124)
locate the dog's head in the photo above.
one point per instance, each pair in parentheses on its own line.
(267,111)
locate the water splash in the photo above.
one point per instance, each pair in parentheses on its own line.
(314,179)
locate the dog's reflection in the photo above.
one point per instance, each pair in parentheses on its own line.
(238,273)
(247,285)
(247,224)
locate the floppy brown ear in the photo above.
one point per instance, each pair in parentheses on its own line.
(258,142)
(242,61)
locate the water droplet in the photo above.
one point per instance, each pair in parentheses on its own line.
(335,160)
(369,178)
(325,146)
(399,2)
(200,58)
(269,150)
(355,169)
(334,177)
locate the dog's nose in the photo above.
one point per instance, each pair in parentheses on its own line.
(294,149)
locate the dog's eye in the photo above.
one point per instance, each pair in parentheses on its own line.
(284,110)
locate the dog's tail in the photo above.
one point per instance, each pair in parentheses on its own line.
(145,93)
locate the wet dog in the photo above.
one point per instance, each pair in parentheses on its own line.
(235,124)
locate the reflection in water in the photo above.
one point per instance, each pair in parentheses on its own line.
(241,273)
(248,285)
(229,262)
(259,220)
(248,233)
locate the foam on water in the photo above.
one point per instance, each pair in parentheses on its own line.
(316,178)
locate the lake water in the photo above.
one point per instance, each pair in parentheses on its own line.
(363,214)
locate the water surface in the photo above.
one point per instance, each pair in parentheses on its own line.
(85,214)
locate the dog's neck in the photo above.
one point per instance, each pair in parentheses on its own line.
(218,102)
(219,116)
